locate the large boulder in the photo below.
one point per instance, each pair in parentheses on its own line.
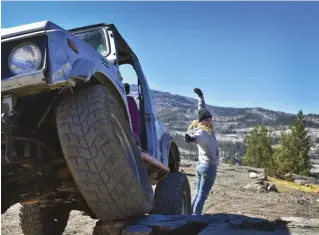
(223,224)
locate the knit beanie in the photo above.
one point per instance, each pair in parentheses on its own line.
(203,114)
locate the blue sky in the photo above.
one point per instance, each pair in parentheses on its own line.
(242,54)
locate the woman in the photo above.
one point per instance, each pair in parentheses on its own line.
(201,133)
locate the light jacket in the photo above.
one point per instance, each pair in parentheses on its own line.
(205,140)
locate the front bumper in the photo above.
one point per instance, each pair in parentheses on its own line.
(24,84)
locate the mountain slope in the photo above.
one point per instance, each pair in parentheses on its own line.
(231,124)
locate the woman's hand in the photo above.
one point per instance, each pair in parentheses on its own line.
(198,92)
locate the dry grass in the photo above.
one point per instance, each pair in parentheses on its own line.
(287,186)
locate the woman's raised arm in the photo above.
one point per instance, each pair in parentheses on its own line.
(201,100)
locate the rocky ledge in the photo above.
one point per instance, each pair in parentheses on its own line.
(219,224)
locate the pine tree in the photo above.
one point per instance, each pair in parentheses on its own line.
(300,144)
(282,157)
(293,153)
(259,150)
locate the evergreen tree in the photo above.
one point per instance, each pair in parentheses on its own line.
(293,153)
(259,150)
(282,157)
(300,144)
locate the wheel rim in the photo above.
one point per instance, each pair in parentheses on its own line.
(184,204)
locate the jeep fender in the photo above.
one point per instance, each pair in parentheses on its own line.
(170,153)
(85,70)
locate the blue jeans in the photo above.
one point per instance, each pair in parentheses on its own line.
(205,178)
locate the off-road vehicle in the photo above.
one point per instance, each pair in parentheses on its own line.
(69,141)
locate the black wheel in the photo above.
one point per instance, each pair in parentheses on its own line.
(101,153)
(173,195)
(36,220)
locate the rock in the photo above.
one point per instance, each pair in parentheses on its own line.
(272,188)
(256,187)
(262,189)
(302,201)
(164,225)
(265,184)
(301,182)
(253,223)
(108,228)
(208,218)
(288,176)
(253,169)
(253,175)
(222,228)
(137,229)
(244,228)
(262,176)
(302,222)
(305,179)
(261,182)
(162,222)
(224,224)
(251,186)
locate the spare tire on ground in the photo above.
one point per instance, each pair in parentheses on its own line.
(104,160)
(173,195)
(36,220)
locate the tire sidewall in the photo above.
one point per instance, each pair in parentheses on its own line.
(169,193)
(134,159)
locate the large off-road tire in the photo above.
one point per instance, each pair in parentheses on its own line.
(172,195)
(101,153)
(36,220)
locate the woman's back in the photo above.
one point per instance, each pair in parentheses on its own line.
(207,145)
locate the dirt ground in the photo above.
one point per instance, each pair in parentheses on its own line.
(227,196)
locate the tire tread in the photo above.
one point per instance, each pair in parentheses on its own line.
(92,151)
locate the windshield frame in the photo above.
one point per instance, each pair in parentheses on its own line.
(107,39)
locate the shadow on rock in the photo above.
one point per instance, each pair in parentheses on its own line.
(223,224)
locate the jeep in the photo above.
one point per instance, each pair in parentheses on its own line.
(72,136)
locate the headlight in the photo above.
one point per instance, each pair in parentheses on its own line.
(24,58)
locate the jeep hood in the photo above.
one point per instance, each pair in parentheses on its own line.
(28,28)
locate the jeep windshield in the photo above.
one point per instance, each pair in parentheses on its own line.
(96,38)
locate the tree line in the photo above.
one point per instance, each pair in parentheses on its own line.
(290,156)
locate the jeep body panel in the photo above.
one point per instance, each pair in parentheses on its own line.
(27,29)
(62,65)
